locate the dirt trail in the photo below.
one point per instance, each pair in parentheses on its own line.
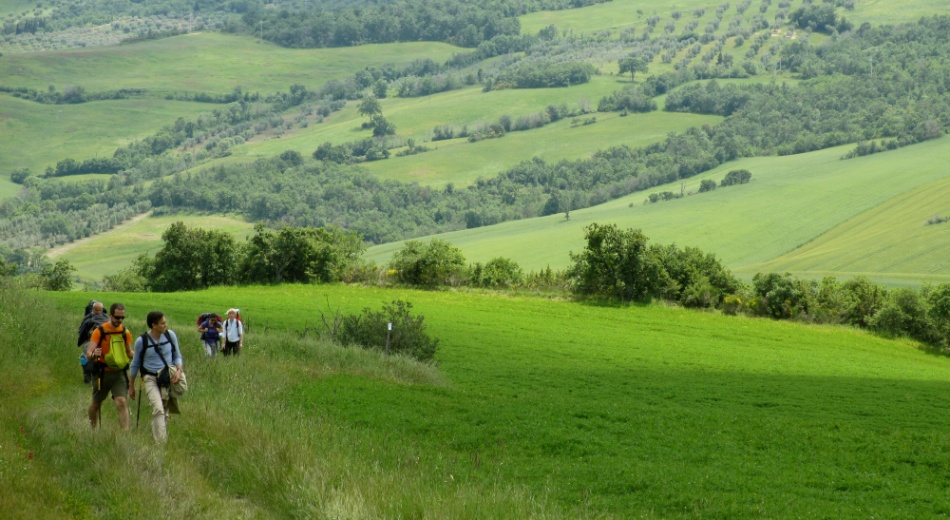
(59,250)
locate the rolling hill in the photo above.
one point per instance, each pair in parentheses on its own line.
(803,213)
(537,409)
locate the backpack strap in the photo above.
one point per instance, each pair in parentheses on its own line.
(153,344)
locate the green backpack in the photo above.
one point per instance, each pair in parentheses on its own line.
(114,355)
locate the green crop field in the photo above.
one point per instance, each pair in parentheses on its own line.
(790,202)
(578,411)
(811,214)
(892,238)
(114,250)
(204,62)
(617,15)
(15,6)
(461,162)
(34,135)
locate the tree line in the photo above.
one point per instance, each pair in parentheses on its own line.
(615,264)
(466,24)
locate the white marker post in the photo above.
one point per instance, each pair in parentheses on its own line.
(389,333)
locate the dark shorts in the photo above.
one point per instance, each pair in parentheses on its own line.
(110,382)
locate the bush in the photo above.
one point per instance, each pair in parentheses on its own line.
(905,313)
(498,272)
(783,296)
(429,265)
(707,185)
(19,175)
(370,329)
(736,177)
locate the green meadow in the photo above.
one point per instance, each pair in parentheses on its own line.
(205,62)
(536,409)
(891,238)
(15,6)
(791,202)
(617,15)
(812,214)
(34,135)
(461,162)
(116,249)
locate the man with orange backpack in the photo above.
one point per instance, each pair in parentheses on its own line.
(110,348)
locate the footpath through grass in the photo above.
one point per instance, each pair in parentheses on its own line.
(589,411)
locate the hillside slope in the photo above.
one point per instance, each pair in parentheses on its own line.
(539,409)
(790,202)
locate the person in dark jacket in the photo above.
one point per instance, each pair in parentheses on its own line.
(96,316)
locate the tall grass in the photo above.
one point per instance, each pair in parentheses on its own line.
(239,449)
(565,409)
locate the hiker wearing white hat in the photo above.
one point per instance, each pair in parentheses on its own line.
(233,333)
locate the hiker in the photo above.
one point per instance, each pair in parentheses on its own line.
(233,333)
(110,348)
(211,332)
(157,351)
(95,316)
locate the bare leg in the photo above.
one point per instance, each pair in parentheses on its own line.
(122,405)
(94,412)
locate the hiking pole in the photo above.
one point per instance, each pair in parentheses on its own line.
(139,397)
(99,410)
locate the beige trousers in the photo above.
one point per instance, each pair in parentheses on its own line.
(159,415)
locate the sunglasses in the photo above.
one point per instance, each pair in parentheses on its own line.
(120,318)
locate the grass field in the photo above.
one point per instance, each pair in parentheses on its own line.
(34,136)
(205,62)
(891,238)
(114,250)
(617,15)
(579,411)
(15,6)
(811,214)
(461,162)
(790,202)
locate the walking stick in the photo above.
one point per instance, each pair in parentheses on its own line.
(98,388)
(139,412)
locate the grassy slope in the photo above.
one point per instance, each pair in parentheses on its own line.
(640,411)
(205,62)
(891,238)
(35,136)
(15,6)
(461,162)
(110,252)
(617,15)
(869,221)
(790,202)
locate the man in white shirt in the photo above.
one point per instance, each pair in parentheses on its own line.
(233,333)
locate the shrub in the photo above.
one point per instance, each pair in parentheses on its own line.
(707,185)
(736,177)
(370,329)
(19,175)
(428,265)
(904,313)
(498,272)
(783,296)
(864,298)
